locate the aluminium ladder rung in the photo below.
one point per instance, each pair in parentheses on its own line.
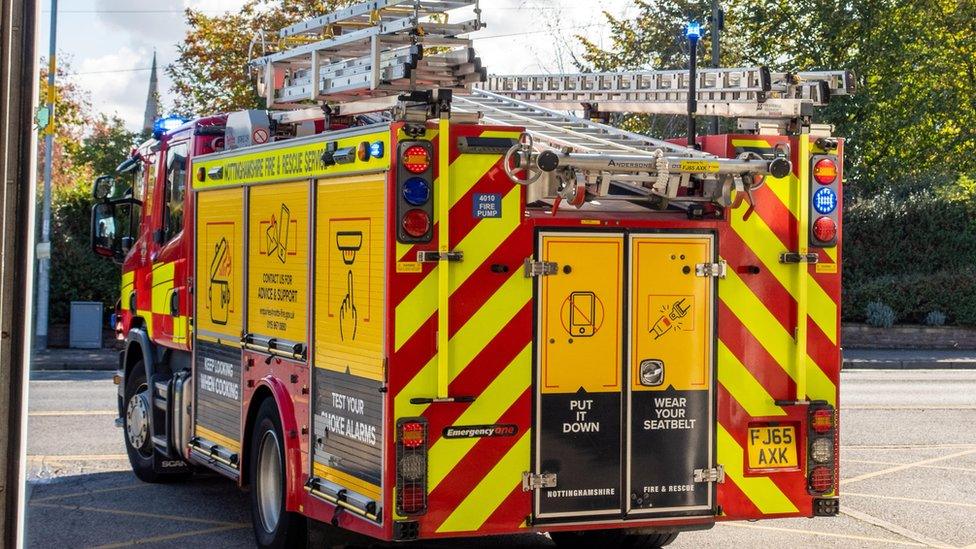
(738,92)
(363,13)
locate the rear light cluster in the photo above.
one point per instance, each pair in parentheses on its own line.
(415,204)
(825,201)
(821,449)
(411,456)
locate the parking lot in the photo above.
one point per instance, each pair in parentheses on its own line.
(908,468)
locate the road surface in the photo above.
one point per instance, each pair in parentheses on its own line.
(908,463)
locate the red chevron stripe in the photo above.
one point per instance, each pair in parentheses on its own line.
(462,223)
(735,503)
(735,420)
(488,365)
(764,285)
(476,464)
(483,282)
(510,515)
(410,358)
(750,352)
(824,353)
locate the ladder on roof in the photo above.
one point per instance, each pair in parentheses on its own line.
(564,131)
(575,158)
(372,50)
(753,92)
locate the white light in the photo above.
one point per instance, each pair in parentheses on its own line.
(822,450)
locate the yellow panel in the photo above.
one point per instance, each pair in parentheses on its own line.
(220,261)
(349,275)
(278,262)
(581,314)
(671,310)
(162,287)
(300,161)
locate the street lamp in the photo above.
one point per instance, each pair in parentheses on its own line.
(693,33)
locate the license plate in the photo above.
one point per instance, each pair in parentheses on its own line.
(772,448)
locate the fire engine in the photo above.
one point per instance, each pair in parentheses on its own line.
(414,301)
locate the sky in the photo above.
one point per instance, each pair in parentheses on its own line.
(110,43)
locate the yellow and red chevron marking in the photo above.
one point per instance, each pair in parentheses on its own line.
(757,360)
(490,350)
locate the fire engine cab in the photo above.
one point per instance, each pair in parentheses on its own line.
(413,301)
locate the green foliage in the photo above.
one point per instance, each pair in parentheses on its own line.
(912,246)
(880,315)
(935,318)
(84,145)
(108,143)
(76,273)
(211,75)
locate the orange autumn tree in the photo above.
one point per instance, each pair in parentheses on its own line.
(210,75)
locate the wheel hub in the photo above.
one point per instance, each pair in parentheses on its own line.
(137,419)
(269,483)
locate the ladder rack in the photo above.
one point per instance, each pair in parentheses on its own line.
(561,130)
(371,50)
(738,92)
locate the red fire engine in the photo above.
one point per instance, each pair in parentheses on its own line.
(442,307)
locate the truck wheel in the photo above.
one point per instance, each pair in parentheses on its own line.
(274,527)
(611,538)
(135,422)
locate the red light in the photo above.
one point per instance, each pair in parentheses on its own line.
(821,480)
(412,434)
(413,499)
(825,171)
(822,421)
(825,230)
(416,159)
(416,223)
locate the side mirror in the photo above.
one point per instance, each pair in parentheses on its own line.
(103,231)
(103,187)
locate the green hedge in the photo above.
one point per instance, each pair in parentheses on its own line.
(913,247)
(76,273)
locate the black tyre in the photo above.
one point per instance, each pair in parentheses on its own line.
(274,527)
(611,538)
(136,430)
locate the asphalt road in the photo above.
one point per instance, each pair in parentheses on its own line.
(908,464)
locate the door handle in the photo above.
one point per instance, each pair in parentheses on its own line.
(174,303)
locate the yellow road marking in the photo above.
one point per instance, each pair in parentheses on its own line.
(135,514)
(91,492)
(761,491)
(79,457)
(815,533)
(894,528)
(943,467)
(897,498)
(899,468)
(492,490)
(47,413)
(744,388)
(169,537)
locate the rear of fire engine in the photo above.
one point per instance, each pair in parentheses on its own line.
(442,307)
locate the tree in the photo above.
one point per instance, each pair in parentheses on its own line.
(655,39)
(107,145)
(915,110)
(210,75)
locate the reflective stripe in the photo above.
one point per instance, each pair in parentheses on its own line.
(761,491)
(472,513)
(744,388)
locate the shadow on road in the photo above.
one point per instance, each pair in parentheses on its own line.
(115,509)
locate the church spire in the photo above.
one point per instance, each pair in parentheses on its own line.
(152,101)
